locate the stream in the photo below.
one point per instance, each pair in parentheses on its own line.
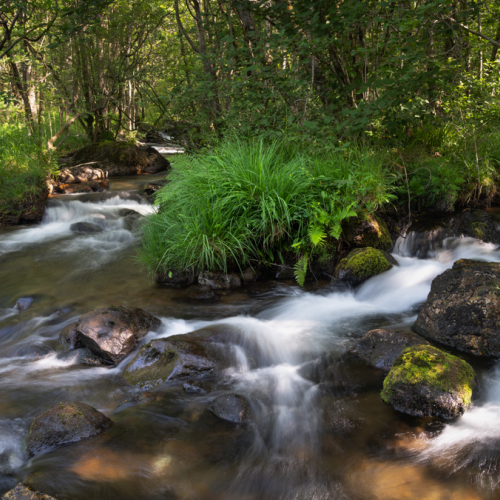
(307,440)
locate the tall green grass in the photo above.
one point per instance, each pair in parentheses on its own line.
(23,168)
(249,201)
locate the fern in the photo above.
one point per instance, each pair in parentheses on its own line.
(317,235)
(300,270)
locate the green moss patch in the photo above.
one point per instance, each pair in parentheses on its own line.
(365,262)
(429,366)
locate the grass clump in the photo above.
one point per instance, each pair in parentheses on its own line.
(250,201)
(24,170)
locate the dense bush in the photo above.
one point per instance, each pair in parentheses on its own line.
(248,201)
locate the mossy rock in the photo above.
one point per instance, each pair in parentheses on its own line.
(367,230)
(425,381)
(121,158)
(65,423)
(363,263)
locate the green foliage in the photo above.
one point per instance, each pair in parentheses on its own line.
(300,270)
(24,168)
(248,201)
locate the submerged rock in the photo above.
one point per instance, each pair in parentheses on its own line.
(219,281)
(22,303)
(463,308)
(231,407)
(379,348)
(425,381)
(174,358)
(200,292)
(85,227)
(193,387)
(363,263)
(367,230)
(23,492)
(65,423)
(113,332)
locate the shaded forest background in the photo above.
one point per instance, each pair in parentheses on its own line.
(416,81)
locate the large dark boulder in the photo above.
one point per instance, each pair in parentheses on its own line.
(113,332)
(65,423)
(174,358)
(367,230)
(23,492)
(363,263)
(463,308)
(379,348)
(115,158)
(425,381)
(231,407)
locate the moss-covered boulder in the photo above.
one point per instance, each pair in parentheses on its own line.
(23,492)
(363,263)
(65,423)
(380,348)
(463,308)
(113,158)
(425,381)
(367,230)
(174,358)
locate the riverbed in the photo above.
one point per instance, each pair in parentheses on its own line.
(306,440)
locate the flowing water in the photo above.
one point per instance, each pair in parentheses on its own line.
(308,439)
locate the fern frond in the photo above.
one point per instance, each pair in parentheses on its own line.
(300,270)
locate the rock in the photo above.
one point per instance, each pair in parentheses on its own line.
(84,172)
(113,332)
(231,407)
(174,358)
(249,274)
(363,263)
(150,189)
(82,187)
(367,230)
(85,227)
(425,381)
(200,292)
(193,387)
(428,234)
(176,279)
(115,158)
(23,492)
(23,303)
(65,423)
(124,212)
(82,356)
(68,338)
(219,281)
(379,348)
(463,308)
(132,222)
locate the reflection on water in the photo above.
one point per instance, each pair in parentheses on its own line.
(306,440)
